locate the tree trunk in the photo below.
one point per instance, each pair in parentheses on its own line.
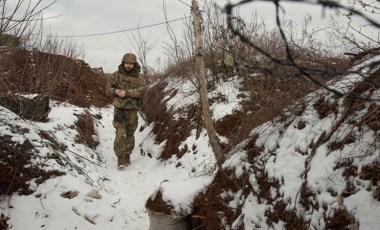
(200,74)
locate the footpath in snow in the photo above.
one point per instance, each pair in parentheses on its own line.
(105,197)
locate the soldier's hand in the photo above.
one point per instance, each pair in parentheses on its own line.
(120,93)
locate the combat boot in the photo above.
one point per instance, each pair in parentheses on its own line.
(127,160)
(120,161)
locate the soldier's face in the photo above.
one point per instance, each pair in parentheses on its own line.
(128,66)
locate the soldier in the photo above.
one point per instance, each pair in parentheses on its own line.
(126,86)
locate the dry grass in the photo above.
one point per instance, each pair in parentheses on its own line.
(57,77)
(3,221)
(167,128)
(338,218)
(269,96)
(274,87)
(14,177)
(86,130)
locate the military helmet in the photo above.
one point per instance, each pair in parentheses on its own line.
(129,58)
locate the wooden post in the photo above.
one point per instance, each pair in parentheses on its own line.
(200,74)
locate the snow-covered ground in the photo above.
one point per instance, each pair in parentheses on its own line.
(95,194)
(120,195)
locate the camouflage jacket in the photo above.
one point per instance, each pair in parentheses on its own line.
(133,83)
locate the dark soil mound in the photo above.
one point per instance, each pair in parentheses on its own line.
(56,76)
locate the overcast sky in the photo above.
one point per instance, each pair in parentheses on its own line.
(94,24)
(83,17)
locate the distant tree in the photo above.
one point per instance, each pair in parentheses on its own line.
(19,18)
(353,36)
(142,46)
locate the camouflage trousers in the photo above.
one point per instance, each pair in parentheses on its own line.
(125,123)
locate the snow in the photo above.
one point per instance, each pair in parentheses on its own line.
(288,157)
(123,193)
(229,90)
(365,208)
(181,193)
(185,96)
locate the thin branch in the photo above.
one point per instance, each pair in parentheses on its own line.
(289,58)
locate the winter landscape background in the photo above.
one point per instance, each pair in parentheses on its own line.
(93,194)
(298,126)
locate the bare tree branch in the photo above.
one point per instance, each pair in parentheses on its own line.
(289,61)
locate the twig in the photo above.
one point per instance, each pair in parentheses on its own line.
(84,158)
